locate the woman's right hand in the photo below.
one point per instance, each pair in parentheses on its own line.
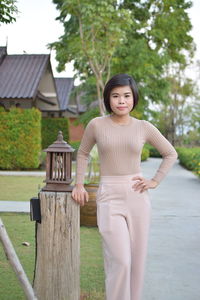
(79,194)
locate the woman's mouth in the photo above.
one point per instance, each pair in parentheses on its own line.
(121,108)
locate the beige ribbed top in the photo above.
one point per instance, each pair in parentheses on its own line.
(120,147)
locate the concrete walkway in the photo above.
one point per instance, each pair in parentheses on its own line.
(15,206)
(173,261)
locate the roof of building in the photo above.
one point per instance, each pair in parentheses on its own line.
(3,53)
(64,87)
(20,74)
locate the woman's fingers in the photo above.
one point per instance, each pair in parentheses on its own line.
(142,185)
(80,196)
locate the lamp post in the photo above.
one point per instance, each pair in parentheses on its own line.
(58,166)
(57,263)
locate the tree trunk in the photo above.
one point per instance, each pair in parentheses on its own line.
(100,99)
(58,248)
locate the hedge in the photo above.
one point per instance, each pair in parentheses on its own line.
(50,128)
(190,158)
(20,138)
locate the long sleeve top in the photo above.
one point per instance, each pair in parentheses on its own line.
(120,147)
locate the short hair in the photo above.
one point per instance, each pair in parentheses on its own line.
(120,80)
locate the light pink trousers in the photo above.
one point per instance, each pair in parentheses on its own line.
(123,218)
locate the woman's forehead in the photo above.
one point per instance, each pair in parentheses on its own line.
(121,89)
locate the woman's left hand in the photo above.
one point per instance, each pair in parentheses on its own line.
(144,184)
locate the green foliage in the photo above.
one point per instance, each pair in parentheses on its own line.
(20,138)
(190,158)
(75,144)
(153,151)
(140,38)
(50,129)
(93,29)
(180,114)
(145,153)
(87,116)
(8,10)
(158,36)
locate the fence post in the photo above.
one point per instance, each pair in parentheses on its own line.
(57,264)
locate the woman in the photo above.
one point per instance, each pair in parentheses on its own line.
(123,204)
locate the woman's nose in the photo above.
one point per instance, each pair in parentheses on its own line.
(121,100)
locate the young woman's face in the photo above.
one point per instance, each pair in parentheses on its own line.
(121,100)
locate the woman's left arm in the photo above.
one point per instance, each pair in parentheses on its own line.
(154,137)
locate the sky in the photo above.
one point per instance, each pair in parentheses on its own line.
(36,26)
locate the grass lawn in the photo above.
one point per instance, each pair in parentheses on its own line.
(20,188)
(21,229)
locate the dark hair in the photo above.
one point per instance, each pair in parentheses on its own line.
(120,80)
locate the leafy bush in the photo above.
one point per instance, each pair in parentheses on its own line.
(145,153)
(153,152)
(20,138)
(190,158)
(50,128)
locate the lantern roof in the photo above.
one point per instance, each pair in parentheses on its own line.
(59,145)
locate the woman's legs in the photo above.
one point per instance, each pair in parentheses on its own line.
(138,219)
(117,260)
(123,217)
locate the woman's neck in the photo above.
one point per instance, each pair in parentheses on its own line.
(120,119)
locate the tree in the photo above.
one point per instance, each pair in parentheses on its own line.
(161,37)
(93,30)
(129,36)
(8,10)
(181,112)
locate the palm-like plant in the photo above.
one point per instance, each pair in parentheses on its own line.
(93,167)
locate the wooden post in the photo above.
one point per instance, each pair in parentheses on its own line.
(58,248)
(15,263)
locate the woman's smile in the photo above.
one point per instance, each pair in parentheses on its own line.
(122,107)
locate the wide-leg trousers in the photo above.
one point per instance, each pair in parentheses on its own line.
(123,218)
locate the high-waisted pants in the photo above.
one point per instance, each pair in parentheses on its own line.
(123,218)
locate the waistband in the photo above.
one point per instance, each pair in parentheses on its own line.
(118,178)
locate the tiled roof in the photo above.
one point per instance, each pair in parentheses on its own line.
(64,87)
(21,74)
(3,53)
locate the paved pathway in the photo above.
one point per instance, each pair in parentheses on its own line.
(173,262)
(14,206)
(23,173)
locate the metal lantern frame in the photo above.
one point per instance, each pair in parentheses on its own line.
(58,166)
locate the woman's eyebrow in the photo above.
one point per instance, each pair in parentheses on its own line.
(115,93)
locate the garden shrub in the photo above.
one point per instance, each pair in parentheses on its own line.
(50,128)
(145,153)
(190,158)
(20,138)
(153,152)
(75,145)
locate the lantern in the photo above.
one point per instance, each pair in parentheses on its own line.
(58,166)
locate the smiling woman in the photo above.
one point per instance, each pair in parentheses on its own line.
(123,206)
(121,100)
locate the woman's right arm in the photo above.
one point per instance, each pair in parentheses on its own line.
(79,194)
